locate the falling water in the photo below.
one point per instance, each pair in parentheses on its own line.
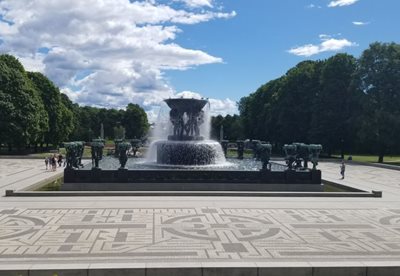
(163,128)
(205,128)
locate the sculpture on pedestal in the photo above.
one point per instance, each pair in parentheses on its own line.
(290,155)
(72,156)
(80,147)
(298,153)
(264,152)
(97,146)
(254,144)
(123,148)
(303,154)
(116,150)
(240,149)
(315,150)
(135,143)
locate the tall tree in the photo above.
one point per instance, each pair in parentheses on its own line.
(23,120)
(216,124)
(135,121)
(294,107)
(335,105)
(379,78)
(60,118)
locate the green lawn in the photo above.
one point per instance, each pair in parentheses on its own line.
(232,153)
(393,160)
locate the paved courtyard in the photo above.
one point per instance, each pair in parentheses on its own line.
(202,230)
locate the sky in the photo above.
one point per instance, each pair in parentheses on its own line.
(108,53)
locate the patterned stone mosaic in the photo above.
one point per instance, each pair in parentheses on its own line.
(199,234)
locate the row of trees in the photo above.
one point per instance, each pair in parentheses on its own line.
(33,112)
(231,125)
(343,103)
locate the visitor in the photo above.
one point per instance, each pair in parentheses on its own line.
(60,160)
(54,163)
(49,162)
(46,161)
(342,169)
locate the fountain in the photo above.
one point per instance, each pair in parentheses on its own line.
(184,159)
(186,146)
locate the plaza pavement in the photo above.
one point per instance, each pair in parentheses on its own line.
(201,235)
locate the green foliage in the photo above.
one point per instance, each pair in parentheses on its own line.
(343,103)
(33,111)
(119,132)
(295,106)
(379,78)
(281,110)
(232,127)
(135,121)
(23,119)
(335,105)
(60,123)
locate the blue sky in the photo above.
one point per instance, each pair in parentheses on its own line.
(254,45)
(112,52)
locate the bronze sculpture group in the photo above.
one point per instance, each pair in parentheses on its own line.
(297,155)
(186,124)
(74,152)
(97,146)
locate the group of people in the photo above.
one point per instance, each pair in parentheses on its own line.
(52,161)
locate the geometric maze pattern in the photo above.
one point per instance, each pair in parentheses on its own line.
(199,234)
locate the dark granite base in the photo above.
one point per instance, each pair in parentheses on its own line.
(191,180)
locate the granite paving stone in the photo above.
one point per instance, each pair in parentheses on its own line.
(216,232)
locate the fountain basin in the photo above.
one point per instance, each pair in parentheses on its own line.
(189,153)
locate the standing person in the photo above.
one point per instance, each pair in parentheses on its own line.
(342,169)
(46,161)
(49,161)
(60,159)
(54,162)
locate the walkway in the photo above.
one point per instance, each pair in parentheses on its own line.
(314,235)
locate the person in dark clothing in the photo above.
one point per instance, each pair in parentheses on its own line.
(342,169)
(60,160)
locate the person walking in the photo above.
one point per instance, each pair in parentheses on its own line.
(54,163)
(46,161)
(342,169)
(60,160)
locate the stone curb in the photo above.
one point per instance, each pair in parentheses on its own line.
(208,269)
(8,193)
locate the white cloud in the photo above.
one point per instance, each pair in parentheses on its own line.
(313,6)
(197,3)
(341,3)
(105,53)
(360,23)
(217,106)
(328,44)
